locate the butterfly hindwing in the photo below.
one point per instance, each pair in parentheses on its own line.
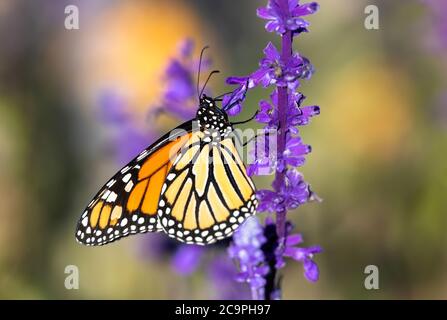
(207,193)
(128,203)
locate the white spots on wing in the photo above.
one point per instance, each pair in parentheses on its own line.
(125,169)
(105,194)
(112,197)
(85,221)
(91,203)
(128,186)
(127,177)
(170,176)
(142,155)
(123,222)
(141,220)
(110,183)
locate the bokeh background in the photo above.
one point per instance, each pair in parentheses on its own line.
(379,156)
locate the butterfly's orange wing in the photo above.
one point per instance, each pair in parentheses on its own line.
(128,203)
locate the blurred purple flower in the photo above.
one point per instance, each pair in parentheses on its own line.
(179,97)
(187,258)
(282,18)
(220,271)
(246,250)
(129,138)
(438,10)
(113,108)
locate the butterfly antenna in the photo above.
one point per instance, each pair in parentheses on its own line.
(198,73)
(208,79)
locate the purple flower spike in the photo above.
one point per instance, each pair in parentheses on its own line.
(280,150)
(286,18)
(246,250)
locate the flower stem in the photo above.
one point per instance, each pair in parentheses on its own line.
(286,54)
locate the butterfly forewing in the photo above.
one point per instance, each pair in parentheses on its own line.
(128,203)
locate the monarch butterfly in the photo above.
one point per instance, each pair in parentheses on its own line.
(190,184)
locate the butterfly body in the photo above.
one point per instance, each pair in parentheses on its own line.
(191,184)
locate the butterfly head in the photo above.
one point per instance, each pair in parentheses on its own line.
(210,116)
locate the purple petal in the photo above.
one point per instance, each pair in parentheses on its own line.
(294,239)
(186,48)
(113,108)
(235,110)
(271,52)
(236,80)
(311,271)
(305,9)
(265,13)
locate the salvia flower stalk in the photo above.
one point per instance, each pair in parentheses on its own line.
(260,251)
